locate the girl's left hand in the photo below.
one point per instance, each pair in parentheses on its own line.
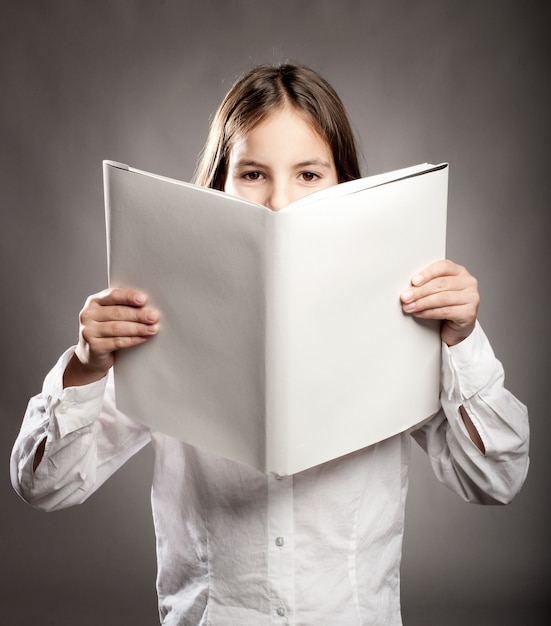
(444,291)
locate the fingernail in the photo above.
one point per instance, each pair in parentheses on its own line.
(408,308)
(140,298)
(417,279)
(406,296)
(151,316)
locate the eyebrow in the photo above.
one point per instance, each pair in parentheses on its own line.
(316,162)
(308,163)
(248,163)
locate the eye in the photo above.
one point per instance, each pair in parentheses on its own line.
(252,176)
(309,177)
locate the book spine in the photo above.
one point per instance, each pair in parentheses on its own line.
(277,267)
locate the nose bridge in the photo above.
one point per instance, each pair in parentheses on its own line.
(278,194)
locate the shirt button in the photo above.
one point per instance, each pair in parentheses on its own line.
(281,611)
(279,541)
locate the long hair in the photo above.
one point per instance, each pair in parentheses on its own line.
(261,91)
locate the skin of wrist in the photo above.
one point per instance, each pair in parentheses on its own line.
(77,374)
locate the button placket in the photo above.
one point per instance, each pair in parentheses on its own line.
(280,544)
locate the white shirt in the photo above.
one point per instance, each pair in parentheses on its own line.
(237,547)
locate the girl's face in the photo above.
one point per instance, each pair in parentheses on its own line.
(281,160)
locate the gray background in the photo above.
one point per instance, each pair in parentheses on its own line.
(136,81)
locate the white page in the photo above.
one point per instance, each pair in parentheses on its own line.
(349,368)
(201,262)
(359,184)
(203,378)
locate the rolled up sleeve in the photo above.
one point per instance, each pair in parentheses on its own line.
(86,441)
(473,381)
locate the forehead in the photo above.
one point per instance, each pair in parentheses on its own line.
(284,130)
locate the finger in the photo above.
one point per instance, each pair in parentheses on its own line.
(119,296)
(444,267)
(119,304)
(438,300)
(99,341)
(459,313)
(122,313)
(460,307)
(114,329)
(442,287)
(108,345)
(437,285)
(461,282)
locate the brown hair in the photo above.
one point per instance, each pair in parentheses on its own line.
(261,91)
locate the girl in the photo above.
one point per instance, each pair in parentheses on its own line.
(235,546)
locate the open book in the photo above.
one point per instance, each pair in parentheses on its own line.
(283,343)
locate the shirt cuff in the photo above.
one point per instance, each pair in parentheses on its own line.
(468,366)
(72,408)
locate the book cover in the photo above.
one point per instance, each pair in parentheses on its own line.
(283,343)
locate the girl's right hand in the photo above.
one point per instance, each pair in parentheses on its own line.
(111,320)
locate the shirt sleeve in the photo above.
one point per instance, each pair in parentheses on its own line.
(87,440)
(472,378)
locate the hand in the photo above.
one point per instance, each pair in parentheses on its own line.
(111,320)
(444,291)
